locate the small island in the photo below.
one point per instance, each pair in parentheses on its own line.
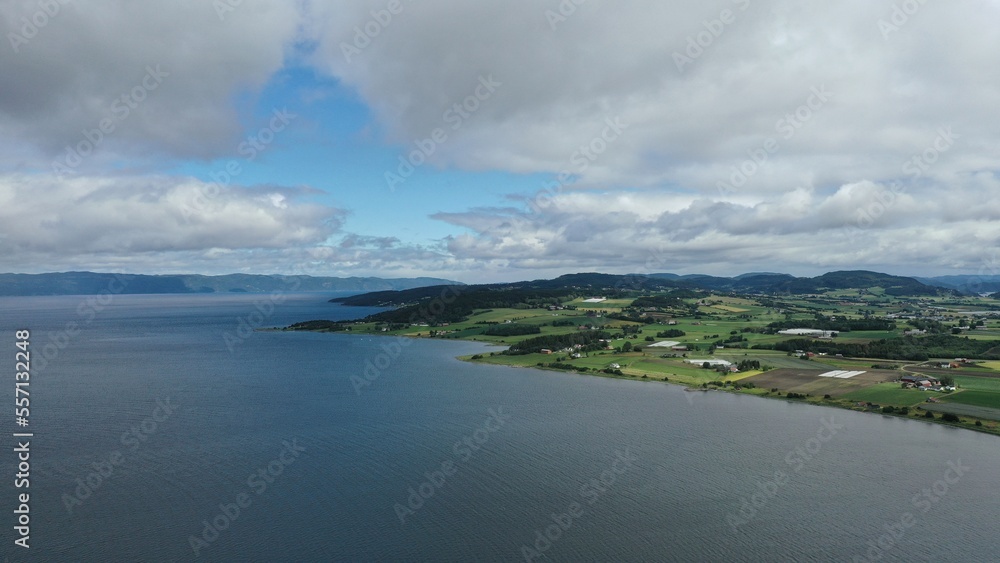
(857,340)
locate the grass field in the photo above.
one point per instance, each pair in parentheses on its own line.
(975,398)
(978,383)
(889,394)
(729,308)
(973,411)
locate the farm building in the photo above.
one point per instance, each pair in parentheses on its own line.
(811,332)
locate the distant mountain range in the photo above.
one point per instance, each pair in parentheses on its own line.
(409,290)
(90,283)
(783,283)
(501,295)
(966,284)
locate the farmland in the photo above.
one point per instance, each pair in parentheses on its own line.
(609,337)
(976,398)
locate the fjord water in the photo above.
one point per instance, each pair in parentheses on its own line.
(677,465)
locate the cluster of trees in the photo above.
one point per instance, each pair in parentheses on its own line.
(451,304)
(929,325)
(836,323)
(906,348)
(671,333)
(589,340)
(511,329)
(735,384)
(321,326)
(567,367)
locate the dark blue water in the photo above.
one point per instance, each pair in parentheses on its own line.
(502,456)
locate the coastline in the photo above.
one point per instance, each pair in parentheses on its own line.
(917,413)
(987,428)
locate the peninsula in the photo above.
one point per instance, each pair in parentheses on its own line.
(858,340)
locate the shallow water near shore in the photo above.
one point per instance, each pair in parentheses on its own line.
(336,447)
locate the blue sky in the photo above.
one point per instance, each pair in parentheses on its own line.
(545,137)
(337,145)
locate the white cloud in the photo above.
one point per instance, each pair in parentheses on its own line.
(123,215)
(812,118)
(888,97)
(73,72)
(863,224)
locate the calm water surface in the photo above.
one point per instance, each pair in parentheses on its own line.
(439,460)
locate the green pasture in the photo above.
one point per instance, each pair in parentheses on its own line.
(890,394)
(987,399)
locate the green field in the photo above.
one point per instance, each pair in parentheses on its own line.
(960,409)
(975,398)
(978,383)
(889,394)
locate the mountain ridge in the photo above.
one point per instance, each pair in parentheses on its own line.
(766,283)
(92,283)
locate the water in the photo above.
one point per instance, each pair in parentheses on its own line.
(684,461)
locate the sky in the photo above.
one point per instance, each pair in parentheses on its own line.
(499,141)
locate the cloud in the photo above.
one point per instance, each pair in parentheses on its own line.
(724,136)
(119,216)
(90,62)
(865,224)
(888,95)
(162,224)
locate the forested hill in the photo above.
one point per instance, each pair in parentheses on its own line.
(609,285)
(509,294)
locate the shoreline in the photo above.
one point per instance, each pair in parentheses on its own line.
(990,427)
(984,429)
